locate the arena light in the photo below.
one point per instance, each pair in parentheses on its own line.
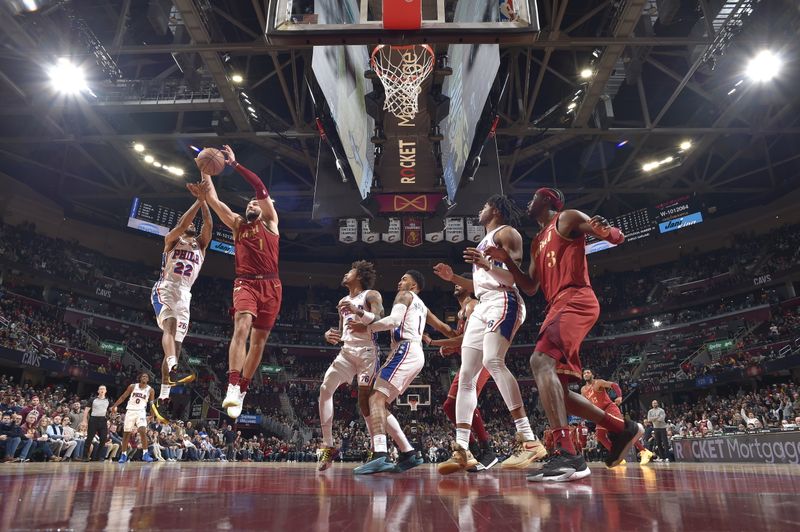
(138,147)
(237,78)
(656,323)
(764,66)
(149,159)
(157,164)
(586,73)
(686,145)
(67,78)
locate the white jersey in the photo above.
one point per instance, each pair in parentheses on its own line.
(181,265)
(137,401)
(413,323)
(350,338)
(481,279)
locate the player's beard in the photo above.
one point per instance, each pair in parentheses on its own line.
(191,233)
(251,216)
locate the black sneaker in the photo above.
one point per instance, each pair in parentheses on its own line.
(179,376)
(162,410)
(476,451)
(621,442)
(488,459)
(561,466)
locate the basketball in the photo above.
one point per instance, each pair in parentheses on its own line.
(210,161)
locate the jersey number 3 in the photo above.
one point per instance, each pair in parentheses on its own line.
(183,269)
(551,259)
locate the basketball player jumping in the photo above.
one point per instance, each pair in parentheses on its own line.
(138,395)
(257,290)
(489,333)
(558,265)
(479,439)
(181,261)
(359,355)
(407,322)
(596,390)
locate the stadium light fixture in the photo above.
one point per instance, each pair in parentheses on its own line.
(686,145)
(157,164)
(67,78)
(237,78)
(586,73)
(149,158)
(764,66)
(656,323)
(138,147)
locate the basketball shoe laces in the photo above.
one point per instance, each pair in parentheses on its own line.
(326,454)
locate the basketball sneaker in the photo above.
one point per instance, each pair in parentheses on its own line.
(162,410)
(622,441)
(525,453)
(408,461)
(326,460)
(233,401)
(176,376)
(561,466)
(460,460)
(380,464)
(645,456)
(123,458)
(146,457)
(487,458)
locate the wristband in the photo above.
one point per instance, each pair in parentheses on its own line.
(367,318)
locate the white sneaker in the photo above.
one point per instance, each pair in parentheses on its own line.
(232,397)
(234,411)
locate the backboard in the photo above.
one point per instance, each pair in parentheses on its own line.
(329,22)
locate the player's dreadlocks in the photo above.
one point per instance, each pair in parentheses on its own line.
(365,272)
(511,213)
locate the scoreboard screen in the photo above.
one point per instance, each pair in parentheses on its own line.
(158,220)
(665,217)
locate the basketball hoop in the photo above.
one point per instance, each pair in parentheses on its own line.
(402,71)
(413,404)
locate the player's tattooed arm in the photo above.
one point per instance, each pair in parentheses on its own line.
(401,304)
(208,226)
(122,397)
(375,302)
(445,272)
(183,224)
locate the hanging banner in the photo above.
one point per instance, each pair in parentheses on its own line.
(368,236)
(348,230)
(454,230)
(409,203)
(412,231)
(435,237)
(475,231)
(393,235)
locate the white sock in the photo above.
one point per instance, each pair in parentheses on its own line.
(164,393)
(379,443)
(462,438)
(397,434)
(524,427)
(172,361)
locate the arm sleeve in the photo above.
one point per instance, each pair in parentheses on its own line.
(617,389)
(392,320)
(253,180)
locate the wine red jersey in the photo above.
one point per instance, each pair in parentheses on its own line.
(599,398)
(560,261)
(256,249)
(462,325)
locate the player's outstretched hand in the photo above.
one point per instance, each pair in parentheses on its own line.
(230,157)
(333,336)
(197,190)
(475,257)
(444,271)
(498,254)
(600,226)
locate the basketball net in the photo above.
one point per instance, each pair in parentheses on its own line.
(402,71)
(413,403)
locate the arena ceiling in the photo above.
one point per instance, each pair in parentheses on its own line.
(663,73)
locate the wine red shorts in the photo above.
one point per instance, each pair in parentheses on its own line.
(259,297)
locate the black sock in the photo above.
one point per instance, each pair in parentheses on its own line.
(408,454)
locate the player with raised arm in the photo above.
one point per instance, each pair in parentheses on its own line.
(138,395)
(257,290)
(184,252)
(488,335)
(558,266)
(359,356)
(479,440)
(596,391)
(407,322)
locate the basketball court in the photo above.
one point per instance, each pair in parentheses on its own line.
(295,497)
